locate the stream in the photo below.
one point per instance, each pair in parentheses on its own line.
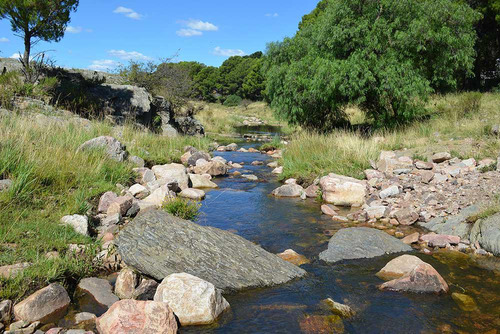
(247,209)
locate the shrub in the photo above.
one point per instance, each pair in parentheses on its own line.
(8,84)
(384,56)
(469,103)
(182,208)
(232,101)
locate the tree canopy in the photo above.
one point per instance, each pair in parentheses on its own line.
(385,56)
(35,20)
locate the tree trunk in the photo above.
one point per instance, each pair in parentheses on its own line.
(27,50)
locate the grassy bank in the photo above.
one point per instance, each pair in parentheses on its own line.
(50,180)
(451,125)
(221,120)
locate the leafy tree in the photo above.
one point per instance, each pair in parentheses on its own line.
(206,84)
(312,16)
(37,20)
(386,56)
(488,44)
(232,101)
(254,83)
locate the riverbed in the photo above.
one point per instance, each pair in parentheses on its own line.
(247,209)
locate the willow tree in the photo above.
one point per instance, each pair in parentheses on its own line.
(386,56)
(37,20)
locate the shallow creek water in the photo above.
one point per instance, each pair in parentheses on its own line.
(246,208)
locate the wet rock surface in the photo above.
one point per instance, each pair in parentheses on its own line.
(158,244)
(361,242)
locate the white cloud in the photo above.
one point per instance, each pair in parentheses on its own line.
(128,55)
(189,32)
(200,25)
(128,12)
(218,51)
(195,28)
(74,30)
(103,65)
(3,40)
(272,14)
(15,56)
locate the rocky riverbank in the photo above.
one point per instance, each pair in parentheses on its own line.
(165,268)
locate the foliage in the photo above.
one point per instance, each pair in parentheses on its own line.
(384,56)
(37,20)
(488,45)
(11,85)
(182,208)
(206,84)
(232,101)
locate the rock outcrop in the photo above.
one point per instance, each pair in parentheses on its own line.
(159,244)
(361,242)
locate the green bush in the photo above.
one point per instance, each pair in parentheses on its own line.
(469,103)
(384,56)
(182,208)
(8,85)
(233,101)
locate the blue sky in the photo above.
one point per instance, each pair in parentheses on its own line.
(104,33)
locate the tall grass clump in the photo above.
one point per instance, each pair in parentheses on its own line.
(310,155)
(182,208)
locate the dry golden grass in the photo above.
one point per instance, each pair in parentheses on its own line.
(219,119)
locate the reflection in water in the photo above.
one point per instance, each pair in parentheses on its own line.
(245,207)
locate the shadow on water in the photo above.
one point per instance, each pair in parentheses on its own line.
(245,208)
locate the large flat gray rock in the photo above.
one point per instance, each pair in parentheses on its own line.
(487,233)
(159,244)
(454,225)
(361,242)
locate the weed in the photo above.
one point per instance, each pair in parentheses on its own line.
(182,208)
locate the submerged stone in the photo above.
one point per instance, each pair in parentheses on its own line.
(465,302)
(361,242)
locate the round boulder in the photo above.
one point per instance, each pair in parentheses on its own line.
(193,300)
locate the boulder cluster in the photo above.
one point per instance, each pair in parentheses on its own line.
(169,272)
(439,196)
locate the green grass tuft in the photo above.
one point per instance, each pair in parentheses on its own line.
(182,208)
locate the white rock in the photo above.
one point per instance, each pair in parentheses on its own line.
(193,300)
(342,190)
(389,192)
(278,170)
(79,223)
(176,172)
(157,198)
(194,194)
(139,191)
(201,181)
